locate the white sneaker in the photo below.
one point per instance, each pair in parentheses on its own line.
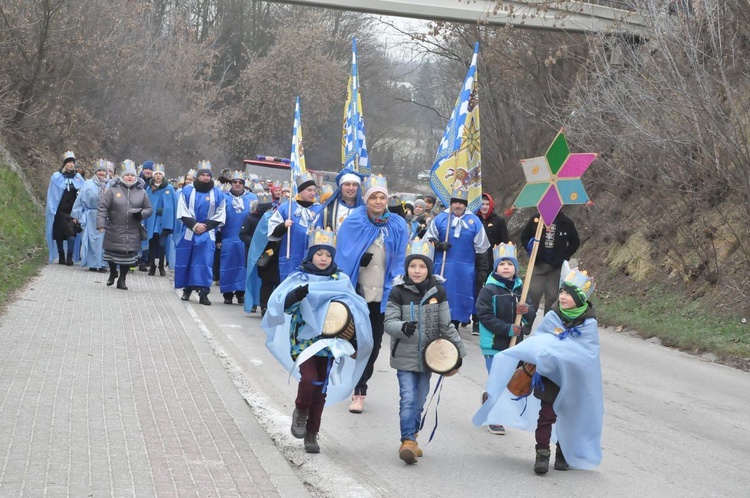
(358,404)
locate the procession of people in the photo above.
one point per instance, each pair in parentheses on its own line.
(370,263)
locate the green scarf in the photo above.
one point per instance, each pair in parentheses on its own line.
(573,313)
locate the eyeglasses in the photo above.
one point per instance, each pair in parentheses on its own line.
(237,182)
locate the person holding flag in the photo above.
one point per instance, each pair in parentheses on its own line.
(293,220)
(354,155)
(344,200)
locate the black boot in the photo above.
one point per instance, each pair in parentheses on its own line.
(228,297)
(299,423)
(152,270)
(121,280)
(186,294)
(61,258)
(311,442)
(203,299)
(162,271)
(69,261)
(541,465)
(112,274)
(560,463)
(240,297)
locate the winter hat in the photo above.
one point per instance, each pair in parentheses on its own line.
(348,177)
(375,183)
(321,239)
(420,202)
(68,156)
(504,251)
(147,165)
(305,180)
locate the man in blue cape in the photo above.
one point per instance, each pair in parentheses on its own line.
(233,274)
(202,209)
(465,238)
(61,195)
(345,199)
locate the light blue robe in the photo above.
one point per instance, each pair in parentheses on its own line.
(195,253)
(573,364)
(345,371)
(57,184)
(233,273)
(257,246)
(166,200)
(84,210)
(459,267)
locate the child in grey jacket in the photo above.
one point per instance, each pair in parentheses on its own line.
(416,313)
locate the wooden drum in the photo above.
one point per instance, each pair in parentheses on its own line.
(520,383)
(339,321)
(441,356)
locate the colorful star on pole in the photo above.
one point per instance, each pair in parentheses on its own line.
(554,179)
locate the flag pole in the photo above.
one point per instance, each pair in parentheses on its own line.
(448,226)
(529,272)
(289,216)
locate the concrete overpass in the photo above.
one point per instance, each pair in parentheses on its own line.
(569,16)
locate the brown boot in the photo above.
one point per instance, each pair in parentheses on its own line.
(420,453)
(408,451)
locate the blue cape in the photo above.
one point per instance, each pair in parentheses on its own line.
(54,195)
(84,210)
(573,364)
(357,233)
(233,267)
(257,245)
(313,309)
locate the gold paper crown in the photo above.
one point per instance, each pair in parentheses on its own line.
(461,194)
(180,180)
(237,175)
(159,168)
(265,198)
(258,188)
(204,165)
(581,280)
(420,247)
(502,250)
(374,181)
(68,154)
(326,189)
(394,201)
(192,172)
(277,183)
(127,164)
(320,237)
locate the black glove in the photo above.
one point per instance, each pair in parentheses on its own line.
(366,258)
(442,246)
(296,295)
(166,232)
(137,216)
(159,211)
(408,328)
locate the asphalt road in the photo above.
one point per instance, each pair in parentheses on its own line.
(674,425)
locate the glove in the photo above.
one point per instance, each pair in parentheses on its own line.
(408,328)
(366,258)
(442,246)
(530,246)
(515,330)
(137,216)
(301,292)
(159,211)
(166,232)
(522,308)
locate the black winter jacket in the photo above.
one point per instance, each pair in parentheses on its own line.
(565,244)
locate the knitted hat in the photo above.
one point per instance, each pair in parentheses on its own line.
(147,165)
(204,167)
(419,249)
(349,177)
(579,285)
(420,202)
(305,180)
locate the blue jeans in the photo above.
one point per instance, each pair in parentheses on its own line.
(413,389)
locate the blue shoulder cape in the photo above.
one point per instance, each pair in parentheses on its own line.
(573,364)
(54,194)
(313,309)
(357,233)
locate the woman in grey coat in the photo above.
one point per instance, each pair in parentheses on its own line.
(121,210)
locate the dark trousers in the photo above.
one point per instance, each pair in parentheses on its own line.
(266,289)
(377,320)
(61,245)
(310,395)
(198,289)
(547,417)
(156,249)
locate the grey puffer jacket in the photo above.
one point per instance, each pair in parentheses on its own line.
(432,313)
(121,210)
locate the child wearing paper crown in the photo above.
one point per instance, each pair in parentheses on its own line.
(498,304)
(417,312)
(567,384)
(327,369)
